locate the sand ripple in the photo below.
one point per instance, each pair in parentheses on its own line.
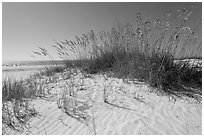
(132,109)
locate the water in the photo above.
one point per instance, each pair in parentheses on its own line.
(17,74)
(20,72)
(23,69)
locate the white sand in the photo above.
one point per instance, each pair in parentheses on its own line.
(140,111)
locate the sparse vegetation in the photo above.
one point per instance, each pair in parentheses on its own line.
(17,95)
(73,106)
(16,107)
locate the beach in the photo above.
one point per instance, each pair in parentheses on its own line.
(126,108)
(102,68)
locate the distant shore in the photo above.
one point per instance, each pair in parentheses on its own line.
(31,63)
(26,68)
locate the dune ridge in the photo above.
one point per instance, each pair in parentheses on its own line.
(131,109)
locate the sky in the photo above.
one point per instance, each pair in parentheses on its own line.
(27,26)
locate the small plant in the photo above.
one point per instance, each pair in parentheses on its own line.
(70,105)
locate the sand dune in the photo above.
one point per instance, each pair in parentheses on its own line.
(132,109)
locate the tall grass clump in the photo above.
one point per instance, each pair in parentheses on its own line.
(147,51)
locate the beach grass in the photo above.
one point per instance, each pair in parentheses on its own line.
(17,95)
(147,51)
(16,107)
(68,100)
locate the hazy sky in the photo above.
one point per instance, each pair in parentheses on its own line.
(26,26)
